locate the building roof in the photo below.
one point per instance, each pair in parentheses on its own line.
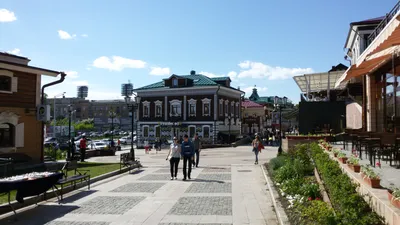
(220,78)
(369,21)
(250,104)
(198,80)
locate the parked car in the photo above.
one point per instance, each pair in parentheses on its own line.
(125,140)
(99,145)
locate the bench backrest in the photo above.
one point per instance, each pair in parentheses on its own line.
(125,157)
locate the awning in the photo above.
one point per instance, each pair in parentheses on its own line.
(364,68)
(319,81)
(392,40)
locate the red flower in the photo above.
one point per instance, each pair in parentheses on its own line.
(341,148)
(317,199)
(309,198)
(378,164)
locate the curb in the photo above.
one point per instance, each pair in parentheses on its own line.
(29,201)
(279,211)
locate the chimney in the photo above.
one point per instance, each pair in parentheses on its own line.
(192,72)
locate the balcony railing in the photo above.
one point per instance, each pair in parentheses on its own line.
(383,23)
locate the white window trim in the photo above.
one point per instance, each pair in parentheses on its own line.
(192,102)
(232,108)
(191,135)
(148,131)
(14,81)
(237,109)
(146,103)
(158,103)
(175,102)
(221,103)
(209,131)
(206,101)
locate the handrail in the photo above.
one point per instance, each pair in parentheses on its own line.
(383,23)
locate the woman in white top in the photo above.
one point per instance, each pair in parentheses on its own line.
(174,156)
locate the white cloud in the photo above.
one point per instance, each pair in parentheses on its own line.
(260,70)
(65,35)
(249,90)
(72,74)
(159,71)
(7,16)
(118,63)
(88,68)
(80,83)
(84,35)
(15,51)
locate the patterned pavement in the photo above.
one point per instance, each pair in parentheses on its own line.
(217,194)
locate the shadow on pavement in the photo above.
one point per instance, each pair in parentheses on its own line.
(77,196)
(207,181)
(40,215)
(136,172)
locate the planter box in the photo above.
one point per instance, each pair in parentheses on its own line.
(393,201)
(355,168)
(335,154)
(343,160)
(374,183)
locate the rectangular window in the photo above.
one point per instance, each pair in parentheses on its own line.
(158,110)
(6,135)
(146,111)
(226,109)
(146,132)
(206,109)
(221,109)
(192,131)
(192,110)
(206,132)
(158,131)
(5,83)
(175,82)
(176,110)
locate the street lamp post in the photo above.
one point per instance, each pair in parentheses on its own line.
(70,109)
(132,106)
(54,112)
(278,107)
(112,115)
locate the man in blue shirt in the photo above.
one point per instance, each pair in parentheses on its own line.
(187,153)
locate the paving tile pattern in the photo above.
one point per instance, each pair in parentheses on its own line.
(217,170)
(210,187)
(203,206)
(214,176)
(139,187)
(108,205)
(156,177)
(195,224)
(76,223)
(162,171)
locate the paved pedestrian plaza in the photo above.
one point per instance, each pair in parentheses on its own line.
(227,188)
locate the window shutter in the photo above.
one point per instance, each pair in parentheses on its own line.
(14,84)
(19,135)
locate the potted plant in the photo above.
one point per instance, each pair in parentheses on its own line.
(342,157)
(336,152)
(354,163)
(371,177)
(394,196)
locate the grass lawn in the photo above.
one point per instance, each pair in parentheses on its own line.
(96,169)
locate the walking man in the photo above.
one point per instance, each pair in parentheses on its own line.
(197,149)
(82,148)
(187,153)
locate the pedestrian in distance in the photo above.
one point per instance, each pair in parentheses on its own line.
(257,146)
(82,148)
(187,153)
(174,156)
(197,149)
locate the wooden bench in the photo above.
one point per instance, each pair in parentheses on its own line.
(126,161)
(79,176)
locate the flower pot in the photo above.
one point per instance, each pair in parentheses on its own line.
(355,168)
(343,160)
(393,201)
(374,183)
(335,154)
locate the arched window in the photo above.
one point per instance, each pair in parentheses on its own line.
(7,135)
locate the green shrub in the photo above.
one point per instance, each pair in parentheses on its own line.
(316,212)
(350,207)
(55,154)
(277,162)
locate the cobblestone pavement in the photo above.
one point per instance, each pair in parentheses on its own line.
(226,189)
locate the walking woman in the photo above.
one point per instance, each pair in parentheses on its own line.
(174,156)
(257,146)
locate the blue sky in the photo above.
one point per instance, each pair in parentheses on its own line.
(103,44)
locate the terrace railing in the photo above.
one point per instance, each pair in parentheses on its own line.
(383,23)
